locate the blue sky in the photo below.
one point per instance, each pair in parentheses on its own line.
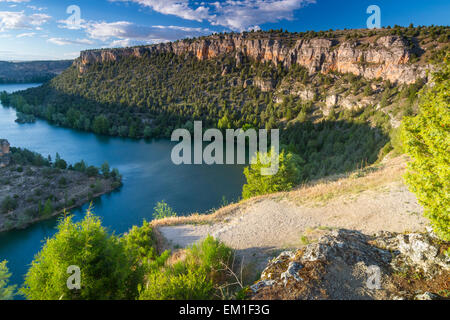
(43,29)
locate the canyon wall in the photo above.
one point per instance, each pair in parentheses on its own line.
(387,57)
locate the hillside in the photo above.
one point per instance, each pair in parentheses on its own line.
(32,71)
(33,188)
(337,96)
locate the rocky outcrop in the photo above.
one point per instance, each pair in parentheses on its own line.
(387,58)
(349,102)
(347,264)
(5,155)
(265,85)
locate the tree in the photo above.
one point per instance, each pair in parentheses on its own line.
(60,163)
(48,208)
(9,204)
(6,291)
(100,125)
(426,138)
(92,171)
(289,174)
(224,122)
(107,270)
(162,210)
(105,169)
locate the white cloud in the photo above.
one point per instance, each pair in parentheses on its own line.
(234,14)
(26,35)
(241,15)
(64,42)
(35,8)
(10,20)
(179,8)
(127,33)
(68,24)
(15,1)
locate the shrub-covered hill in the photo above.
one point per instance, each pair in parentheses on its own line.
(327,107)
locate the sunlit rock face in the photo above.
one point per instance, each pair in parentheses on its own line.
(387,57)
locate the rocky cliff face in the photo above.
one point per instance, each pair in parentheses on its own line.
(347,264)
(387,57)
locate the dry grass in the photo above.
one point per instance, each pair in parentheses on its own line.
(370,178)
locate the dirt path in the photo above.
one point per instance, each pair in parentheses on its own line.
(268,225)
(281,224)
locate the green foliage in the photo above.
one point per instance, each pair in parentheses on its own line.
(194,278)
(396,141)
(330,147)
(141,242)
(162,210)
(170,285)
(92,171)
(48,208)
(289,174)
(9,204)
(60,163)
(426,139)
(209,255)
(101,125)
(6,292)
(108,271)
(105,169)
(27,157)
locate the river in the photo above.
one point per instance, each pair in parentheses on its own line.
(148,176)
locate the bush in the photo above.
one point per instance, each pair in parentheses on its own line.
(9,204)
(142,242)
(288,175)
(162,210)
(194,278)
(396,141)
(426,139)
(168,285)
(92,171)
(107,270)
(6,292)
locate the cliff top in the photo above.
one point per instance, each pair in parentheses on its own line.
(434,33)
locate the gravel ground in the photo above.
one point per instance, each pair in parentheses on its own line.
(261,230)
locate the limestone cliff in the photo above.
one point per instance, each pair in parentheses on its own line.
(387,57)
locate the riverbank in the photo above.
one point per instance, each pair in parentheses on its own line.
(39,193)
(33,188)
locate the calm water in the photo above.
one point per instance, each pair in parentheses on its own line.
(148,175)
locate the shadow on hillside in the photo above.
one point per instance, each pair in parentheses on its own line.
(334,147)
(328,147)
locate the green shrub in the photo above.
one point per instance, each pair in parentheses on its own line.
(426,139)
(162,210)
(289,174)
(192,285)
(396,141)
(92,171)
(107,269)
(142,242)
(9,204)
(6,292)
(194,278)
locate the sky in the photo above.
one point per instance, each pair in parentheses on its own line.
(60,29)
